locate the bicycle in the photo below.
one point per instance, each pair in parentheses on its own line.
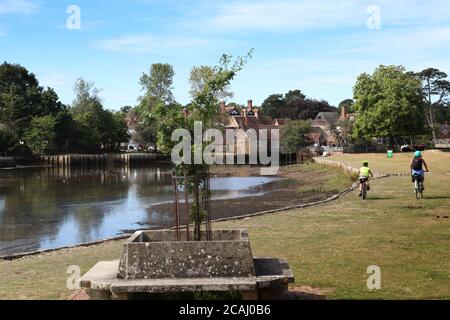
(418,185)
(364,188)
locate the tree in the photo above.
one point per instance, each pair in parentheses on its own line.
(443,113)
(97,128)
(389,104)
(294,105)
(21,99)
(157,87)
(199,76)
(120,129)
(436,90)
(203,108)
(273,105)
(41,136)
(7,139)
(294,136)
(158,83)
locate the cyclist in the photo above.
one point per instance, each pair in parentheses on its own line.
(416,166)
(364,174)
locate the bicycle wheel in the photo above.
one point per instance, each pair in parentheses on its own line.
(417,189)
(364,193)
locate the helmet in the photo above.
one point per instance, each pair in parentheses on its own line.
(417,154)
(365,163)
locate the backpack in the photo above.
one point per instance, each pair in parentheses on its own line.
(417,164)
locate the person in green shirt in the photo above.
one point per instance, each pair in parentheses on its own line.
(364,174)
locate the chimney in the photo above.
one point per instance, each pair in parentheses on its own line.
(222,107)
(185,113)
(249,105)
(343,112)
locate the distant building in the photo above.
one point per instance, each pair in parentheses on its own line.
(246,119)
(280,122)
(132,123)
(322,133)
(444,132)
(443,137)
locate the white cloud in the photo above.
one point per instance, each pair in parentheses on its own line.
(413,40)
(148,43)
(289,15)
(25,7)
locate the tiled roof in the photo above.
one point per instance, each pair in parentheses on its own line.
(330,117)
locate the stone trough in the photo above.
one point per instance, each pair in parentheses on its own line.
(154,262)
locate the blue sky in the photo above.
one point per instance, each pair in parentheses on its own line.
(317,46)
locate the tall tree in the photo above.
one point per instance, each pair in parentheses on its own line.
(389,104)
(273,105)
(97,127)
(436,90)
(203,108)
(41,135)
(294,136)
(200,76)
(158,82)
(157,87)
(294,105)
(21,99)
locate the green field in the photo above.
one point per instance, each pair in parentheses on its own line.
(329,246)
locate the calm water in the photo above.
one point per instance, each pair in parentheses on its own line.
(43,208)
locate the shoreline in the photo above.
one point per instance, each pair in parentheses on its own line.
(288,198)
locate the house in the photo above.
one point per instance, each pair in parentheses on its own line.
(250,121)
(444,132)
(132,123)
(345,116)
(280,122)
(321,129)
(325,126)
(443,137)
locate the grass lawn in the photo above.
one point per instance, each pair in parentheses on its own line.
(328,246)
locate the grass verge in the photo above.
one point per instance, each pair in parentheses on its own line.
(329,246)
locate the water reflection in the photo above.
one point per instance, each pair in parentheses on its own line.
(45,208)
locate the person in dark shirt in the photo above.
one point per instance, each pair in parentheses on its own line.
(416,166)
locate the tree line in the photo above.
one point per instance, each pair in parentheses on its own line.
(33,120)
(391,102)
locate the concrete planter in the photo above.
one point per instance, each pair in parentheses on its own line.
(154,263)
(157,254)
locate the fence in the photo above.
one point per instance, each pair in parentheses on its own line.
(336,164)
(442,143)
(6,162)
(72,160)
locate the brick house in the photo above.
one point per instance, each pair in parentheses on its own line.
(246,119)
(444,132)
(321,128)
